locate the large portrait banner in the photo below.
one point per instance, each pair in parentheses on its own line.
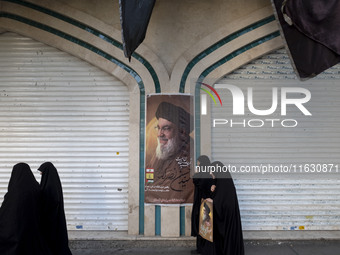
(168,149)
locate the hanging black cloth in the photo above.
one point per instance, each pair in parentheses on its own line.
(20,214)
(228,237)
(54,222)
(134,19)
(311,33)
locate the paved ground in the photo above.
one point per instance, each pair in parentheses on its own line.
(315,247)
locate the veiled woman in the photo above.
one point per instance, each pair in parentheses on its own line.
(54,222)
(228,237)
(20,215)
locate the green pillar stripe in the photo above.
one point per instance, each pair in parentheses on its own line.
(93,31)
(158,216)
(141,161)
(219,44)
(129,70)
(182,221)
(198,117)
(211,68)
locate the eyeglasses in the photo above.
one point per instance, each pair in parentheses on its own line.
(164,130)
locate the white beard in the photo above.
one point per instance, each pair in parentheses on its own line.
(169,149)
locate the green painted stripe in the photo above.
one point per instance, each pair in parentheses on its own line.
(141,161)
(211,68)
(158,220)
(219,44)
(93,31)
(182,221)
(129,70)
(198,118)
(77,41)
(238,52)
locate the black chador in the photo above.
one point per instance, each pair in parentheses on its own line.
(54,222)
(20,214)
(228,237)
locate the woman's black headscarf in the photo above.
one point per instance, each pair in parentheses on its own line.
(54,222)
(221,171)
(203,160)
(20,214)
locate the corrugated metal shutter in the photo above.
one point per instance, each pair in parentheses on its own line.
(56,107)
(286,201)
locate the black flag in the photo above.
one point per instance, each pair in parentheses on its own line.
(134,19)
(311,30)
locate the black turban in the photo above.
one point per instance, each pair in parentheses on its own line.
(176,115)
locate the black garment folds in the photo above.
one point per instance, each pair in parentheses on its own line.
(134,19)
(311,29)
(228,237)
(20,214)
(54,222)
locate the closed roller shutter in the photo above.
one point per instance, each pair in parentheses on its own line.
(56,107)
(281,201)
